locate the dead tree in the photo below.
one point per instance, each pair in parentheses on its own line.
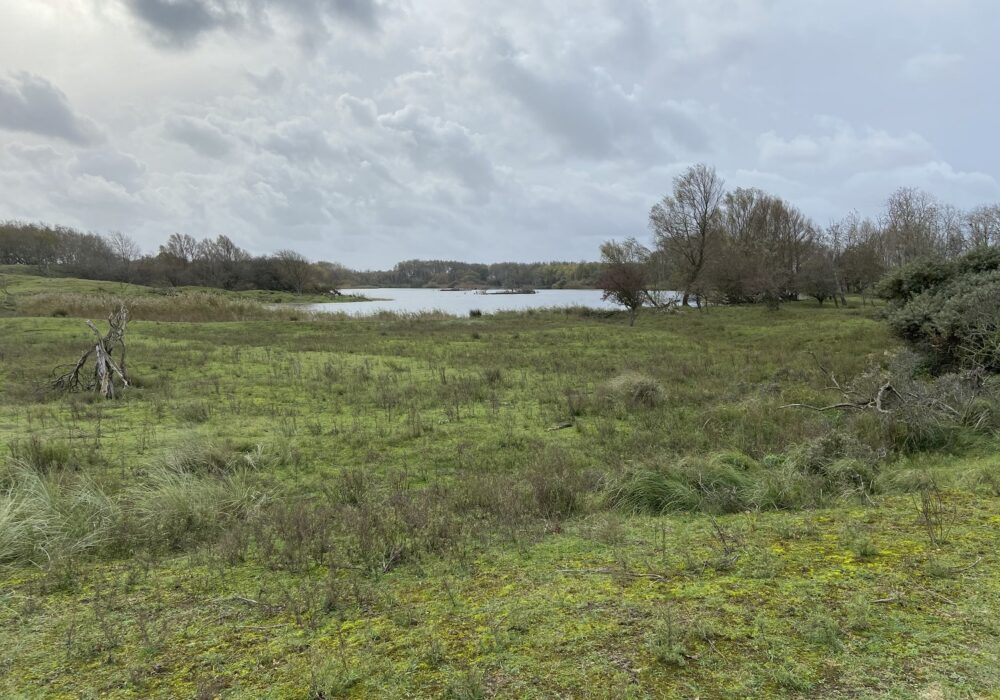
(106,369)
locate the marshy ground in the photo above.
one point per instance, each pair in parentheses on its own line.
(548,504)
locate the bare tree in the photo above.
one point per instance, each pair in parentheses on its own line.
(911,227)
(126,252)
(984,226)
(294,269)
(625,276)
(181,247)
(686,224)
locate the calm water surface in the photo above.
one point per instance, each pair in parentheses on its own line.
(460,303)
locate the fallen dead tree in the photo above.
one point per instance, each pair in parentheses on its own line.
(107,371)
(853,398)
(968,398)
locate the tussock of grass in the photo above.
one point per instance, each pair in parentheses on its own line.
(633,390)
(46,518)
(712,486)
(177,508)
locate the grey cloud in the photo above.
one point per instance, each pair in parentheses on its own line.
(362,111)
(200,135)
(567,109)
(269,82)
(182,23)
(495,129)
(299,140)
(111,165)
(31,104)
(36,155)
(436,144)
(685,123)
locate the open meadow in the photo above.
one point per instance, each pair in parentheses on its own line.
(532,505)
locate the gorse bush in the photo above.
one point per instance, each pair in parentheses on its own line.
(948,311)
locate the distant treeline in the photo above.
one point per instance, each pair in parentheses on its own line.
(508,275)
(218,262)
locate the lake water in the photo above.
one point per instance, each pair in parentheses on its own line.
(460,303)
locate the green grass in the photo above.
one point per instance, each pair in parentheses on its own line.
(436,507)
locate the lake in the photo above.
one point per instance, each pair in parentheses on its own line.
(407,300)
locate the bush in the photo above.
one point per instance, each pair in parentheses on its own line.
(948,311)
(557,486)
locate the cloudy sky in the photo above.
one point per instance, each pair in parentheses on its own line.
(370,131)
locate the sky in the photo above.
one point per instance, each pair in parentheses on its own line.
(372,131)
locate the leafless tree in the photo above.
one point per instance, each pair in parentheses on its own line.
(686,224)
(818,275)
(984,225)
(182,247)
(126,252)
(911,227)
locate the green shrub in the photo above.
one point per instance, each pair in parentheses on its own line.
(948,310)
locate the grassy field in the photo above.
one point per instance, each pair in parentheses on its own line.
(548,504)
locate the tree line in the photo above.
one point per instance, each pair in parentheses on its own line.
(745,245)
(218,262)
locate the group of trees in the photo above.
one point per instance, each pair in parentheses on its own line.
(181,261)
(218,262)
(745,245)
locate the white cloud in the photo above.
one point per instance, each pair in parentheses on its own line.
(932,65)
(842,146)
